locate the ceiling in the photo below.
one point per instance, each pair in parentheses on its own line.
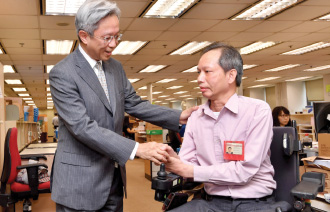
(21,22)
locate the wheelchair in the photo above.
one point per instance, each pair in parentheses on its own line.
(290,189)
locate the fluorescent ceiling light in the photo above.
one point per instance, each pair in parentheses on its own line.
(23,94)
(193,81)
(152,68)
(258,86)
(185,96)
(190,70)
(49,108)
(163,96)
(310,48)
(165,103)
(58,46)
(1,52)
(257,46)
(190,98)
(169,99)
(265,9)
(157,92)
(8,69)
(282,67)
(168,8)
(63,7)
(143,96)
(196,87)
(128,47)
(49,67)
(181,92)
(133,80)
(323,18)
(29,98)
(47,82)
(48,89)
(49,101)
(267,79)
(30,102)
(297,79)
(157,101)
(166,80)
(19,89)
(175,87)
(244,78)
(318,68)
(49,94)
(143,88)
(14,81)
(245,67)
(191,48)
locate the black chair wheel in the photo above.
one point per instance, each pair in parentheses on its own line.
(299,205)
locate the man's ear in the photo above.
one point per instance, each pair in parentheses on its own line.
(83,36)
(231,75)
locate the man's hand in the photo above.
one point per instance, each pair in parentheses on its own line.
(171,152)
(156,152)
(186,114)
(176,166)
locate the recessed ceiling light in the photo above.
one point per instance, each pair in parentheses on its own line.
(49,108)
(49,67)
(49,101)
(169,99)
(196,87)
(63,7)
(48,89)
(133,80)
(299,78)
(257,46)
(169,8)
(30,102)
(191,70)
(49,94)
(163,96)
(175,87)
(180,92)
(23,94)
(191,48)
(152,68)
(157,101)
(14,82)
(19,89)
(318,68)
(283,67)
(49,98)
(193,81)
(47,82)
(8,69)
(143,88)
(258,86)
(245,67)
(244,78)
(267,79)
(157,92)
(323,18)
(265,9)
(165,80)
(29,98)
(306,49)
(128,47)
(1,52)
(143,96)
(58,46)
(185,96)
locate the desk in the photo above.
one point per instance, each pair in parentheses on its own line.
(42,145)
(319,205)
(38,151)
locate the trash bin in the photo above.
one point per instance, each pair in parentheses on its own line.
(43,137)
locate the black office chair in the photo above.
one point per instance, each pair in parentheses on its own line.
(11,167)
(284,157)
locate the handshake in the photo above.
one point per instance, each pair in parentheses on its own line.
(162,153)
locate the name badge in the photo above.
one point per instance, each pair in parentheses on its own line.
(233,150)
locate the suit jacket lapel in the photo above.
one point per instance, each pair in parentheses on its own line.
(88,75)
(110,83)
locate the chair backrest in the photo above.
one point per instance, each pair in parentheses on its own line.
(12,158)
(286,167)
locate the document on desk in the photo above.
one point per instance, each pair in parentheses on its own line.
(325,163)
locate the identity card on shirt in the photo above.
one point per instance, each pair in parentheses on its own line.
(233,150)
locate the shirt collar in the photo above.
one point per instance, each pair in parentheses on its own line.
(232,105)
(90,60)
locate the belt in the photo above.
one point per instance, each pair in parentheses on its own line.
(209,197)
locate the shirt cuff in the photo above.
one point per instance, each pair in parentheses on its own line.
(202,173)
(134,151)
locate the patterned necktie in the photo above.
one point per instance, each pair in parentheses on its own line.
(101,76)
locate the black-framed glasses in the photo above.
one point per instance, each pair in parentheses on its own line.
(108,39)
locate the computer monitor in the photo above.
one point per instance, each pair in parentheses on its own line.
(321,111)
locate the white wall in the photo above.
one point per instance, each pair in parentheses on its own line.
(258,93)
(296,94)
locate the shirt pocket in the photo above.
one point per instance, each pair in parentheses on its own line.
(76,159)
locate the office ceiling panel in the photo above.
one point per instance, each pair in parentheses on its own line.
(22,29)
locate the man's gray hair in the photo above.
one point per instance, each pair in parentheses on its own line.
(229,59)
(91,12)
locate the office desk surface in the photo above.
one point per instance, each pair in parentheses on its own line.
(38,151)
(42,145)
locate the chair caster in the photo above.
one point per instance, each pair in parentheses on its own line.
(27,206)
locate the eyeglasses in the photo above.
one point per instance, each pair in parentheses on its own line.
(108,39)
(284,116)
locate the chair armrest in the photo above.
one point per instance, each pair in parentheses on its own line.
(27,166)
(310,185)
(35,157)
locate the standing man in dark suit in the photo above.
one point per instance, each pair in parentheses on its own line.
(91,93)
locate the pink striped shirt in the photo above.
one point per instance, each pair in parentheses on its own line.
(241,119)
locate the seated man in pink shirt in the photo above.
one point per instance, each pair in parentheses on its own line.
(240,180)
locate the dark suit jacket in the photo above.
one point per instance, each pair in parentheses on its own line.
(90,130)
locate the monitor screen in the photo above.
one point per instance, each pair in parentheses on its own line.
(321,111)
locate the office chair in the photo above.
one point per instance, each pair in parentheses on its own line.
(290,192)
(174,139)
(11,167)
